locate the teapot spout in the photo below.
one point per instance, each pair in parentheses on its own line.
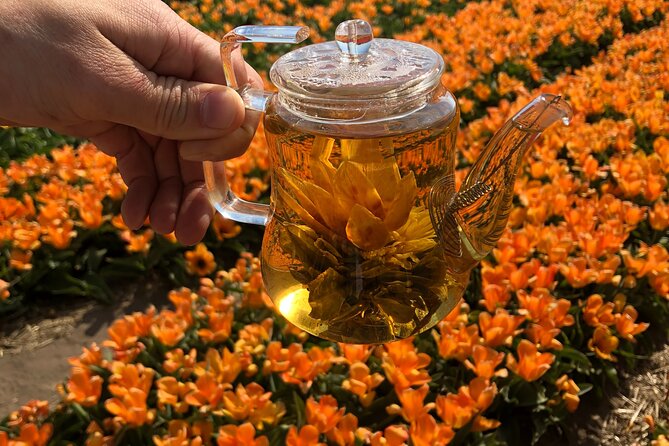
(470,222)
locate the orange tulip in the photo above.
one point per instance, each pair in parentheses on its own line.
(456,410)
(306,366)
(88,202)
(307,436)
(20,260)
(122,335)
(361,383)
(648,260)
(403,366)
(29,435)
(626,326)
(243,435)
(138,242)
(278,358)
(596,312)
(499,329)
(577,273)
(168,329)
(130,408)
(470,402)
(219,325)
(252,337)
(59,235)
(176,360)
(543,335)
(427,432)
(130,376)
(603,343)
(544,277)
(569,391)
(456,342)
(224,228)
(659,216)
(558,313)
(355,352)
(531,364)
(485,360)
(91,355)
(324,414)
(206,393)
(4,290)
(494,296)
(83,388)
(178,435)
(172,392)
(252,403)
(223,368)
(411,401)
(344,433)
(33,411)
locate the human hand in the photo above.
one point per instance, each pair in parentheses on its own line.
(141,84)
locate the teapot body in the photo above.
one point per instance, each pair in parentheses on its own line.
(350,252)
(367,239)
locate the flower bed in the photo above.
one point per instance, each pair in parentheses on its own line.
(579,275)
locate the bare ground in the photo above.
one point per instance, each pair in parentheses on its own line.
(34,348)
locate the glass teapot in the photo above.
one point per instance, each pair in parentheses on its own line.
(367,239)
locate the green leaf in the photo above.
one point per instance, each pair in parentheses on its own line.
(300,410)
(579,359)
(584,388)
(94,258)
(523,393)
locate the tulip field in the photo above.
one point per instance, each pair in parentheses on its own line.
(576,290)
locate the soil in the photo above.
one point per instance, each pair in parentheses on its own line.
(34,349)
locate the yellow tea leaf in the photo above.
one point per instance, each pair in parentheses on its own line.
(291,203)
(322,147)
(361,150)
(365,230)
(399,312)
(399,210)
(323,173)
(385,176)
(351,187)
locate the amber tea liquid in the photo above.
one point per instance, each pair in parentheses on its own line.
(350,253)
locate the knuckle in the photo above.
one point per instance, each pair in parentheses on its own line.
(173,104)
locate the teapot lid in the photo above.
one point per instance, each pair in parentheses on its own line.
(357,75)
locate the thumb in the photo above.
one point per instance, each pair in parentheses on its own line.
(175,108)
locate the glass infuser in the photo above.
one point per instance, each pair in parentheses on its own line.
(367,239)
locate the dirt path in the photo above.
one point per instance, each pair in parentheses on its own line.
(34,348)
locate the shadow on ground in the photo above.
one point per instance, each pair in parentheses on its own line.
(34,347)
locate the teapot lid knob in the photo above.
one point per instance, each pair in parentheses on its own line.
(354,37)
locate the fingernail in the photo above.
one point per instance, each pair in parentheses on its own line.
(219,110)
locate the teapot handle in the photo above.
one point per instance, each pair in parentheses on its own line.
(221,197)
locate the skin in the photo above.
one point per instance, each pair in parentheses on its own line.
(140,83)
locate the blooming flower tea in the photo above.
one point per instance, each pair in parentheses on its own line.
(351,253)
